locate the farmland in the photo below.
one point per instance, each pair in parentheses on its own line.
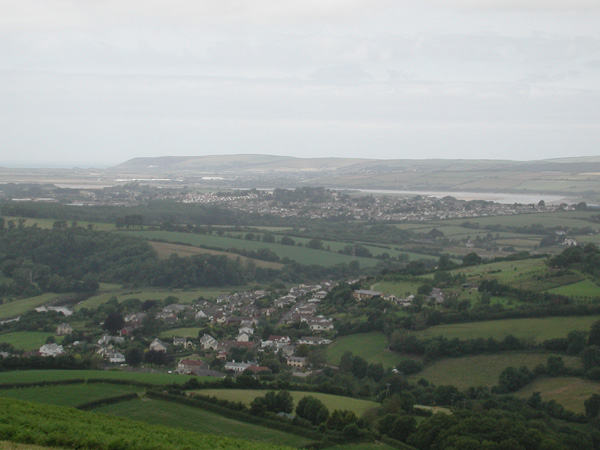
(33,376)
(359,407)
(482,370)
(13,308)
(26,340)
(195,419)
(370,346)
(570,392)
(536,330)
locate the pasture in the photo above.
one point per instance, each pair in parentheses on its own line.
(585,288)
(536,330)
(27,340)
(370,346)
(68,395)
(482,370)
(181,332)
(13,308)
(359,407)
(570,392)
(34,376)
(195,419)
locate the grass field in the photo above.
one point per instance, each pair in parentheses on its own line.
(331,401)
(572,219)
(398,288)
(165,249)
(570,392)
(302,255)
(534,329)
(195,419)
(181,332)
(585,288)
(31,376)
(482,370)
(370,346)
(69,395)
(27,340)
(508,272)
(15,308)
(5,445)
(48,223)
(185,297)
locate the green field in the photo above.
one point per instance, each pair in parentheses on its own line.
(15,308)
(570,392)
(196,419)
(400,289)
(331,401)
(530,329)
(572,219)
(302,255)
(185,297)
(482,370)
(48,223)
(27,340)
(32,376)
(181,332)
(370,346)
(68,395)
(585,288)
(507,272)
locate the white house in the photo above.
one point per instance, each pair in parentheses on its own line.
(51,350)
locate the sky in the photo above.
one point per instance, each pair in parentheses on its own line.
(95,83)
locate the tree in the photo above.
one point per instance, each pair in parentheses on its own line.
(312,409)
(134,356)
(592,406)
(590,357)
(286,240)
(471,259)
(113,322)
(317,244)
(555,366)
(594,336)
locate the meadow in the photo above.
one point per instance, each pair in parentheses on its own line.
(370,346)
(570,392)
(34,376)
(69,395)
(359,407)
(191,332)
(585,288)
(196,419)
(536,330)
(14,308)
(482,370)
(27,340)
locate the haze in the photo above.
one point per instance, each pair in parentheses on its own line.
(97,83)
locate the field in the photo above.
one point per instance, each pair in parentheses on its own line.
(165,249)
(10,309)
(5,445)
(331,401)
(482,370)
(186,297)
(302,255)
(181,332)
(536,330)
(585,288)
(508,272)
(370,346)
(48,223)
(32,376)
(400,289)
(26,340)
(195,419)
(570,392)
(68,395)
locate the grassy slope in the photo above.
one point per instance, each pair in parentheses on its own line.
(195,419)
(26,340)
(370,346)
(534,329)
(331,401)
(570,392)
(585,288)
(482,370)
(68,395)
(18,307)
(30,376)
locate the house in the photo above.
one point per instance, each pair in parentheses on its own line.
(63,329)
(116,358)
(245,329)
(51,350)
(175,308)
(276,341)
(182,342)
(361,294)
(208,342)
(297,362)
(191,366)
(313,340)
(243,337)
(320,324)
(158,346)
(106,339)
(237,367)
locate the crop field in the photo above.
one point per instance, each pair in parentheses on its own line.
(196,419)
(370,346)
(482,370)
(26,340)
(573,219)
(48,223)
(302,255)
(165,249)
(185,297)
(181,332)
(32,376)
(570,392)
(585,288)
(15,308)
(537,330)
(68,395)
(359,407)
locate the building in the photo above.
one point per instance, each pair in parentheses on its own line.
(298,362)
(207,342)
(64,329)
(191,366)
(51,350)
(158,346)
(361,294)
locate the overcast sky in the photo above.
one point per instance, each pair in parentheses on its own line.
(94,83)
